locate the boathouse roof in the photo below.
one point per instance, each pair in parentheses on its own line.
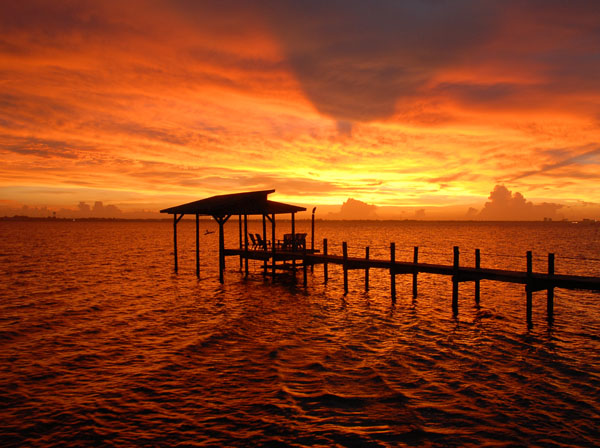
(248,203)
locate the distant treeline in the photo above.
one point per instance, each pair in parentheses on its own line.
(52,218)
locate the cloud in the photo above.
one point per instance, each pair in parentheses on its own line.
(591,157)
(506,206)
(355,60)
(355,209)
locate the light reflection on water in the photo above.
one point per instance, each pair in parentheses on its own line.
(100,343)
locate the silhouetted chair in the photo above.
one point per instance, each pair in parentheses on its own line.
(263,244)
(253,240)
(288,241)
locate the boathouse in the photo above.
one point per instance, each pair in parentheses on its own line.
(252,203)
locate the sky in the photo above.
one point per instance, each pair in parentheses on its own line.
(425,108)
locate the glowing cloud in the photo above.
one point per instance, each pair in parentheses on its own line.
(142,104)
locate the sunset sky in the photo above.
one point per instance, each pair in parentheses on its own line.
(417,105)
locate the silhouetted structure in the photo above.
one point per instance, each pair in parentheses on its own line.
(293,248)
(223,207)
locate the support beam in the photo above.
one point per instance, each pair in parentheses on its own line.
(345,265)
(197,245)
(367,269)
(477,282)
(294,244)
(529,289)
(304,269)
(221,220)
(393,271)
(325,269)
(264,231)
(312,237)
(175,221)
(455,280)
(246,245)
(415,274)
(241,243)
(550,299)
(273,244)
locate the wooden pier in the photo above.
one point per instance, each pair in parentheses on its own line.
(533,281)
(292,254)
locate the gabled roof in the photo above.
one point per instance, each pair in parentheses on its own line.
(248,203)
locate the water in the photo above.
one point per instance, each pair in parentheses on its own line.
(101,344)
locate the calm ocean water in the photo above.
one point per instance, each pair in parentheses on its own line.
(101,344)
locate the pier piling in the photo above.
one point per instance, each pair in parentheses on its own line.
(550,300)
(393,271)
(325,270)
(529,288)
(367,269)
(416,272)
(477,266)
(345,265)
(455,280)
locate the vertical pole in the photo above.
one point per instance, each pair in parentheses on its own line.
(264,228)
(477,282)
(455,281)
(273,245)
(175,240)
(528,288)
(241,243)
(312,237)
(221,221)
(393,271)
(345,265)
(197,245)
(550,302)
(246,245)
(415,273)
(367,269)
(294,244)
(304,268)
(325,270)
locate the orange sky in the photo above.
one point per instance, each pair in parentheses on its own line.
(422,104)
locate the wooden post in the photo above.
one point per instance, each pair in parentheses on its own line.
(294,244)
(241,242)
(393,271)
(367,269)
(273,245)
(415,273)
(477,266)
(325,271)
(345,265)
(246,245)
(312,237)
(221,250)
(264,223)
(304,268)
(529,288)
(456,263)
(175,220)
(221,220)
(550,302)
(197,245)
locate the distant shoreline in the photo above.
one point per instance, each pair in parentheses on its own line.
(22,218)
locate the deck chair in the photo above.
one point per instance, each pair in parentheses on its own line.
(253,240)
(300,240)
(287,242)
(261,243)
